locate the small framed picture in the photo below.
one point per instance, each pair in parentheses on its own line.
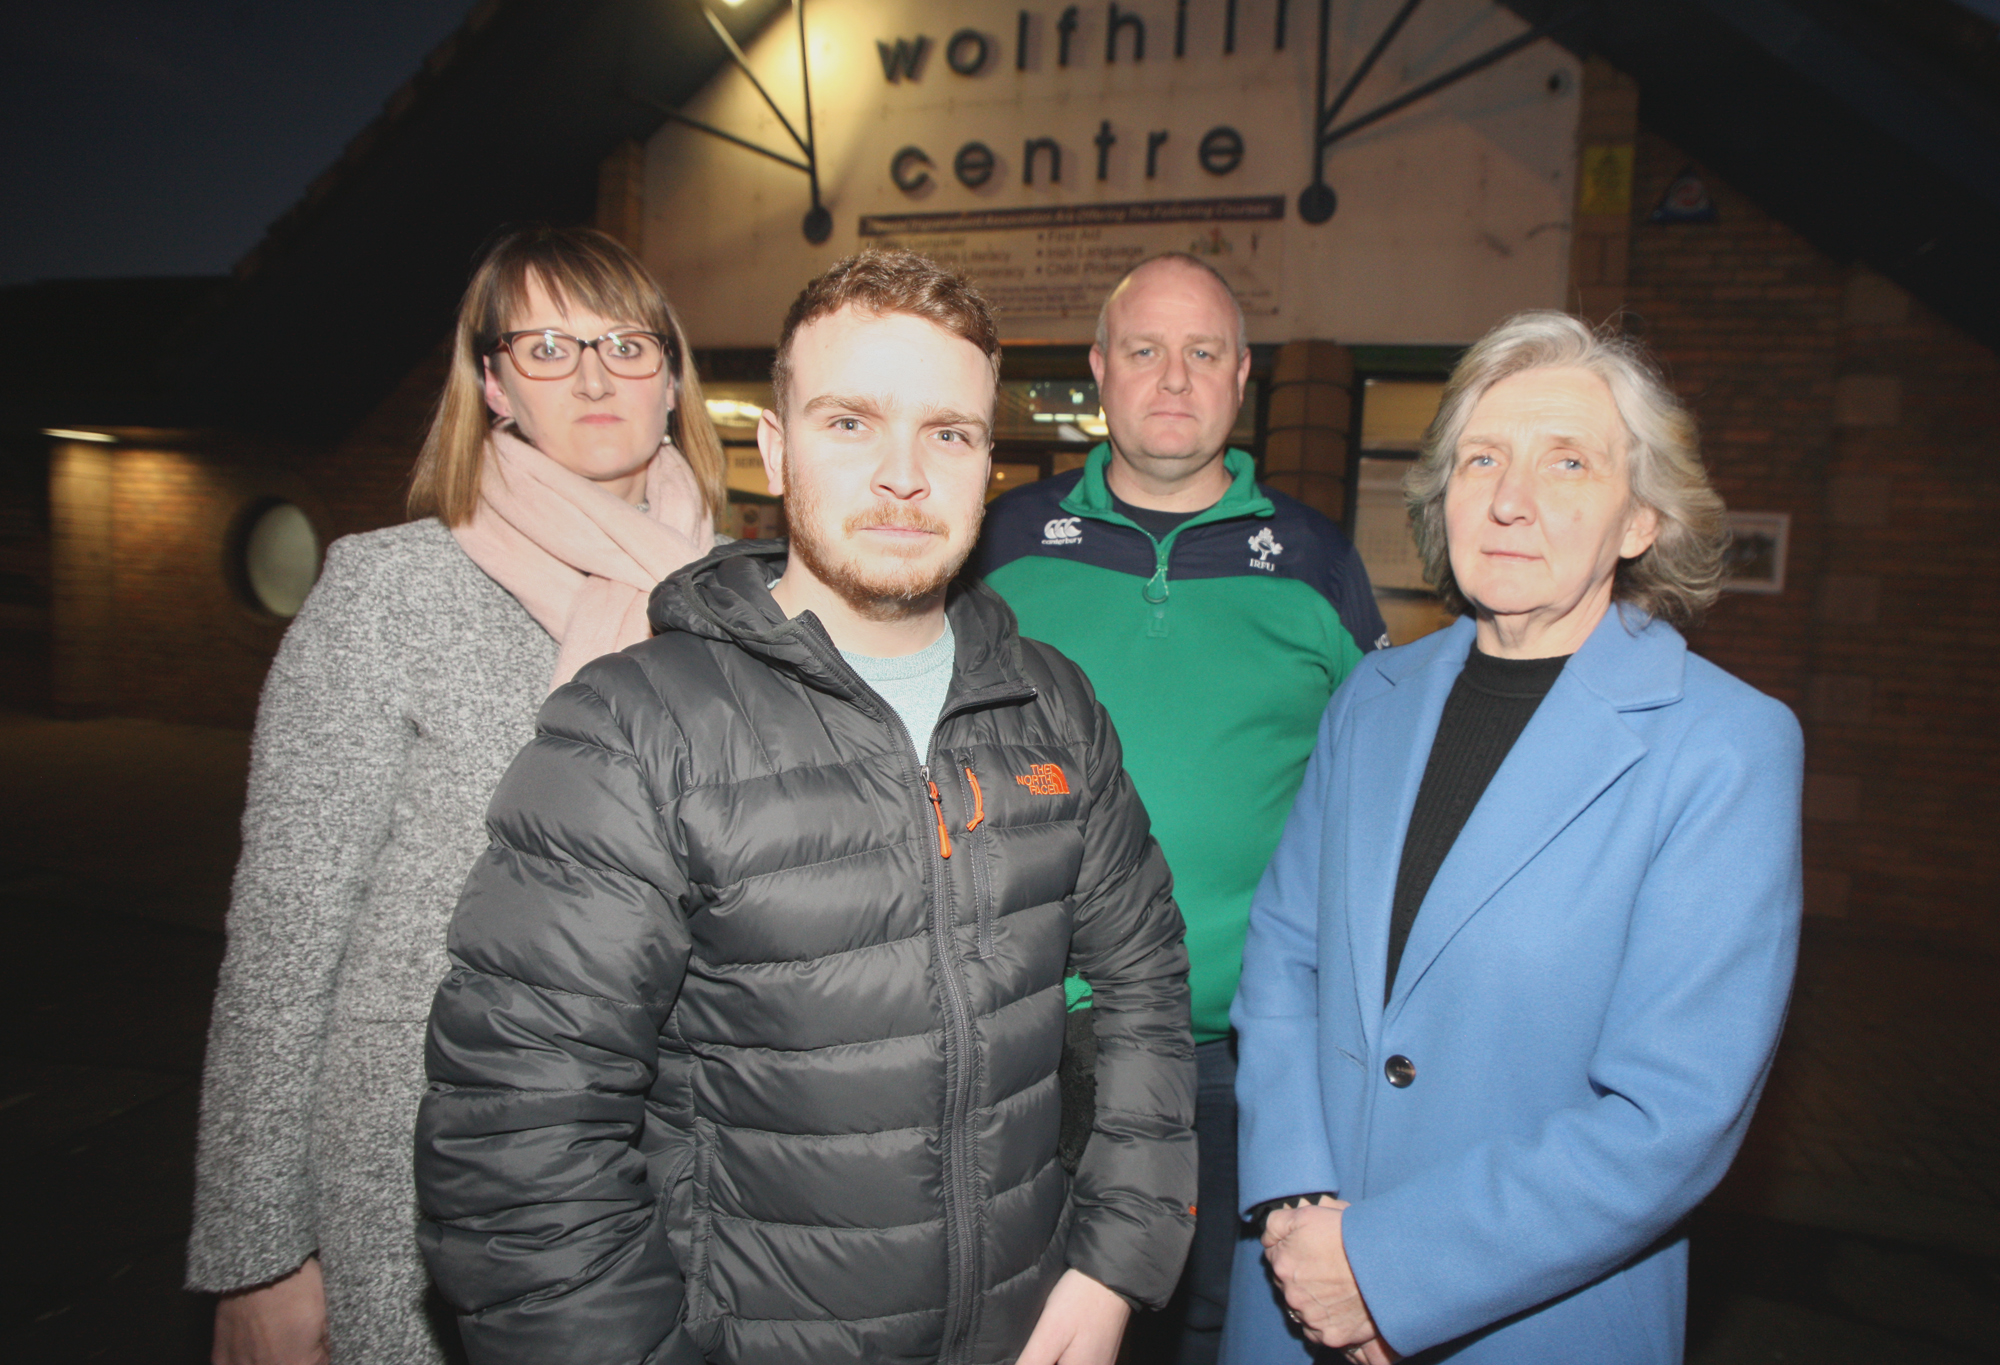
(1755,559)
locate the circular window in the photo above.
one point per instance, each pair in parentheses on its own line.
(280,558)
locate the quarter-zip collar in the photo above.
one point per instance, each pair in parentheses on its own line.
(1092,498)
(1092,495)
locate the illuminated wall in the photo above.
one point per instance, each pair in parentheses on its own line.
(152,614)
(1451,214)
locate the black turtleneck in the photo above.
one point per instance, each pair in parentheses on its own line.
(1489,706)
(1157,524)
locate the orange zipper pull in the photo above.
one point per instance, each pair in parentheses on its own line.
(978,802)
(944,835)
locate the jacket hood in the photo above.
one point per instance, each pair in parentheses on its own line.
(726,596)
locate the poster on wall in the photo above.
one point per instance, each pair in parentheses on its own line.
(1755,559)
(1059,261)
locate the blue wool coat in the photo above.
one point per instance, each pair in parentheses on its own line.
(1590,997)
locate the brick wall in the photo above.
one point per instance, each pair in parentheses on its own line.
(1824,391)
(187,644)
(1309,418)
(150,616)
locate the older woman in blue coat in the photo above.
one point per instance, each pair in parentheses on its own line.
(1516,973)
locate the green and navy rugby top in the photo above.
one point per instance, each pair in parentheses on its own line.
(1214,648)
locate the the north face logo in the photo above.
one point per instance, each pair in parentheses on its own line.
(1062,531)
(1045,779)
(1265,546)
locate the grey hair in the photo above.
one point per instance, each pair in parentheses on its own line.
(1678,578)
(1184,258)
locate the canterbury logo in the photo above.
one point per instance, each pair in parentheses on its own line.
(1045,779)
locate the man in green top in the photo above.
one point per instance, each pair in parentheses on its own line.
(1214,617)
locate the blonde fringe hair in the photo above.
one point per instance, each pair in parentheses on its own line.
(575,265)
(1679,577)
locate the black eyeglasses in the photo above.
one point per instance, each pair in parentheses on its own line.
(547,354)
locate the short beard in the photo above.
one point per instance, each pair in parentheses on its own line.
(875,591)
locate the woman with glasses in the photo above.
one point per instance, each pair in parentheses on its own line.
(570,466)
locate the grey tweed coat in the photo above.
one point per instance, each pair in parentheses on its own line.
(402,691)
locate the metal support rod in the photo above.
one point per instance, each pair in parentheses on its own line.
(818,224)
(743,65)
(805,84)
(1328,113)
(1319,93)
(1451,77)
(678,117)
(1317,201)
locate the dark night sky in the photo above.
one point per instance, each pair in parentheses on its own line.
(161,137)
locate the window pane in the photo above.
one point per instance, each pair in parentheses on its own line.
(281,559)
(1382,526)
(734,408)
(1067,410)
(1394,412)
(1049,410)
(745,472)
(1007,477)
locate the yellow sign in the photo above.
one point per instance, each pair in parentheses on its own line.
(1607,180)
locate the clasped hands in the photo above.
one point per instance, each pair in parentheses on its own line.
(1309,1262)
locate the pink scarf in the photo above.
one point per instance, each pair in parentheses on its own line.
(581,559)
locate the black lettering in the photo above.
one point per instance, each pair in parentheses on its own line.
(903,61)
(1221,150)
(1105,137)
(967,52)
(1153,141)
(904,169)
(1284,7)
(1229,27)
(1118,21)
(1021,42)
(1065,30)
(973,165)
(1180,27)
(1040,144)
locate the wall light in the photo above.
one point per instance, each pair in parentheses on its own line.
(65,434)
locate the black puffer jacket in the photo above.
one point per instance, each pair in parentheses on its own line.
(732,1064)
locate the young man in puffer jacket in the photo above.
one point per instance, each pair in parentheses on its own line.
(748,1050)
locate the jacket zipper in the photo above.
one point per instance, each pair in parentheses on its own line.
(1156,590)
(961,1214)
(961,1202)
